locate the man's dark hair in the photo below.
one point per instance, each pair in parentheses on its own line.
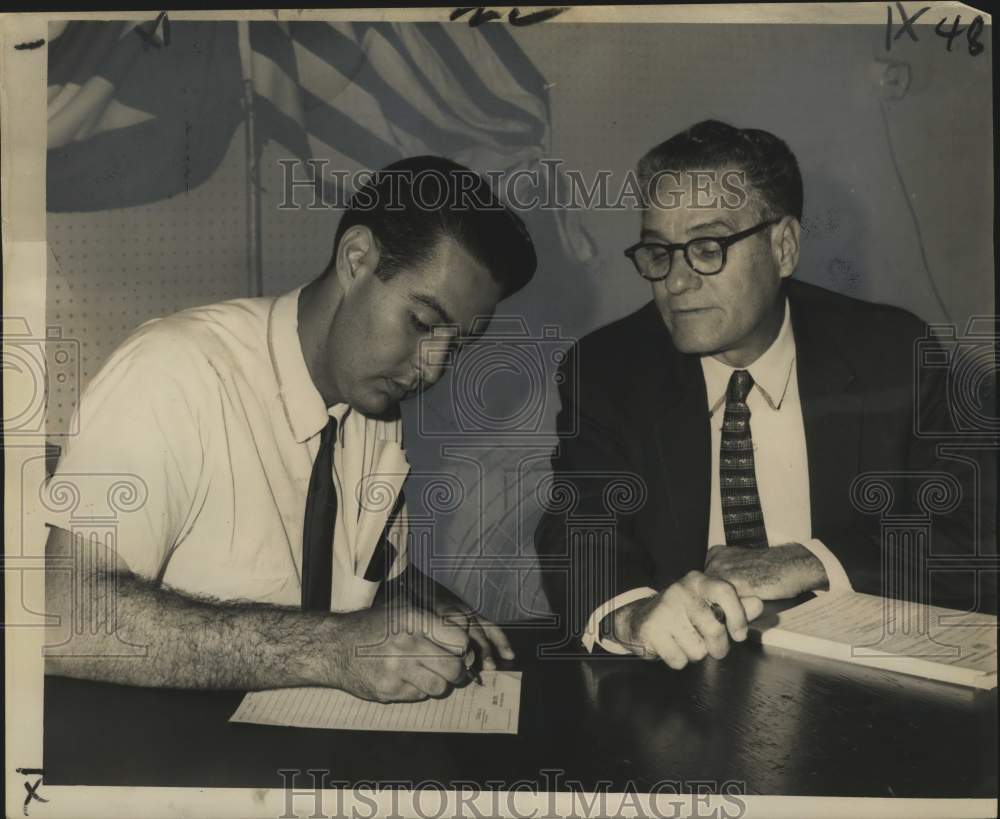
(410,205)
(769,164)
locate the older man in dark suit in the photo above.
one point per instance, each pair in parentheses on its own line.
(743,405)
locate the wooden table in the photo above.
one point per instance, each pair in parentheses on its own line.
(762,721)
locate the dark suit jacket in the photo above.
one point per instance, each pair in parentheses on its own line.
(632,404)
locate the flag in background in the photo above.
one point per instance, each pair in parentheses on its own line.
(142,111)
(137,112)
(362,95)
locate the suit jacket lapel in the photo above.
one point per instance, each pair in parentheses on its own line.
(678,413)
(831,411)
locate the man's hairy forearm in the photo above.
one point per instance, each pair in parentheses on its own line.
(153,636)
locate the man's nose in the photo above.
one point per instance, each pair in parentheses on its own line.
(432,366)
(681,277)
(431,374)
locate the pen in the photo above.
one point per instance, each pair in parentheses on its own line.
(471,675)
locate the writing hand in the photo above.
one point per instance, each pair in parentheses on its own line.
(394,653)
(485,634)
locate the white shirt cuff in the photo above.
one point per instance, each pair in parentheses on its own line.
(836,577)
(592,632)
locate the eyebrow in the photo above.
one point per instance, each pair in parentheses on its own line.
(435,305)
(651,233)
(716,223)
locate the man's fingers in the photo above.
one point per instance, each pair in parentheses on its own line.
(495,635)
(450,667)
(726,597)
(462,618)
(478,636)
(405,692)
(424,679)
(737,580)
(753,606)
(667,649)
(451,637)
(712,632)
(689,640)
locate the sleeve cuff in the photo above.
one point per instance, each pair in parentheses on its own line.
(592,632)
(836,577)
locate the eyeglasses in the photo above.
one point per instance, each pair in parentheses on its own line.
(705,255)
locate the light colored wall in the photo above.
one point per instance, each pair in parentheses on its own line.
(109,271)
(616,90)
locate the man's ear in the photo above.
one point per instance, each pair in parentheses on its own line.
(357,256)
(785,246)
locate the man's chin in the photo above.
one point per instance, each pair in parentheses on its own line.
(694,344)
(378,405)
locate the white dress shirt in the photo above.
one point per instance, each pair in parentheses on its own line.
(212,415)
(780,462)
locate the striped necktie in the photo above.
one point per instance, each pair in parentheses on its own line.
(742,517)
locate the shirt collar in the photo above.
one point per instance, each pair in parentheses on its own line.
(771,372)
(305,410)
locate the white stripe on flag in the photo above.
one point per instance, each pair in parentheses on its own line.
(463,109)
(271,82)
(325,82)
(493,72)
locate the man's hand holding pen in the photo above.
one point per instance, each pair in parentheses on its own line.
(484,636)
(690,619)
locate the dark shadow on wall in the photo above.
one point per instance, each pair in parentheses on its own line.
(489,425)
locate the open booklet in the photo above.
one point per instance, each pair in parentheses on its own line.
(490,708)
(909,638)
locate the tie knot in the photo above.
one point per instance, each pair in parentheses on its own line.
(329,434)
(740,383)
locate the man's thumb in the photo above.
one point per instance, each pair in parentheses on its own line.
(753,606)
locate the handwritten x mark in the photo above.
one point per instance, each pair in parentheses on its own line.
(32,789)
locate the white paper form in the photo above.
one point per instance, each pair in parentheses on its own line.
(490,708)
(906,637)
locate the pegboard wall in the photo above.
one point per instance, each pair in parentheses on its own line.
(618,90)
(296,242)
(109,271)
(816,86)
(885,218)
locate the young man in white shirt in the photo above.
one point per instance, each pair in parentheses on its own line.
(264,540)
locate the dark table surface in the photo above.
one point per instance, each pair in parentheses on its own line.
(762,721)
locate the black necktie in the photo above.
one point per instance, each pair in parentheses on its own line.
(317,531)
(742,517)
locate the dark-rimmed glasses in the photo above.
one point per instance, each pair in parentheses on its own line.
(705,255)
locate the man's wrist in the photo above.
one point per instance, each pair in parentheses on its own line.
(600,625)
(624,623)
(802,570)
(835,579)
(322,651)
